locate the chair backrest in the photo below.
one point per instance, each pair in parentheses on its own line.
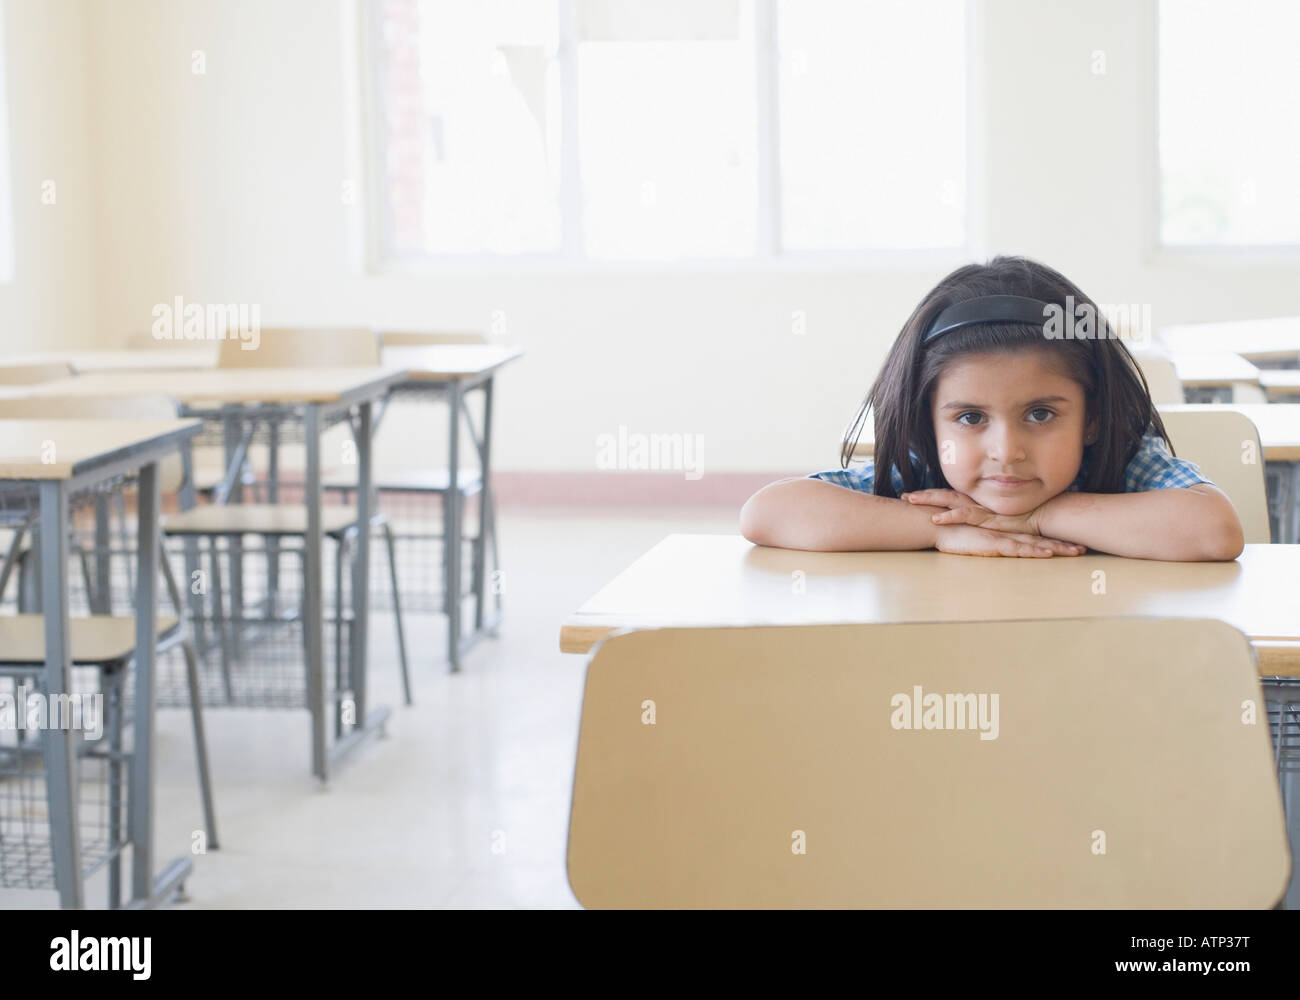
(1061,763)
(303,347)
(1225,445)
(30,373)
(413,338)
(171,470)
(1162,379)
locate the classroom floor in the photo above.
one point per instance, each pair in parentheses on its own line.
(465,804)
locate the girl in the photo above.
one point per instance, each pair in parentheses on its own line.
(1003,439)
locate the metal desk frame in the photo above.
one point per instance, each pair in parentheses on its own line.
(370,721)
(147,890)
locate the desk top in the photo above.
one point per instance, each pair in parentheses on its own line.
(430,363)
(1254,340)
(73,447)
(180,356)
(443,362)
(1283,381)
(694,580)
(1278,424)
(1214,369)
(231,385)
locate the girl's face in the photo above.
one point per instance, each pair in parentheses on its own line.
(1009,428)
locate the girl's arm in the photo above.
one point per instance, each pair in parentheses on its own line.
(1191,523)
(819,516)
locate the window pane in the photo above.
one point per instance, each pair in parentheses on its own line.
(873,138)
(471,119)
(1229,99)
(667,116)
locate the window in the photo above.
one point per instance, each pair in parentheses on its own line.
(1228,103)
(673,130)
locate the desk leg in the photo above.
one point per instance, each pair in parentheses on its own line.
(60,755)
(101,600)
(361,568)
(485,526)
(451,527)
(146,603)
(313,623)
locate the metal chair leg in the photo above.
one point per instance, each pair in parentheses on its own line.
(218,615)
(397,612)
(113,690)
(200,743)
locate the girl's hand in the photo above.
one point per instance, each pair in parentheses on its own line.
(963,510)
(969,540)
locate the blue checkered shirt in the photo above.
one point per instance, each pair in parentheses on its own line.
(1152,468)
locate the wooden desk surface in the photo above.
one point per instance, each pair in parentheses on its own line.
(74,446)
(233,385)
(1256,339)
(694,580)
(1219,369)
(1278,423)
(1281,381)
(441,362)
(435,362)
(177,356)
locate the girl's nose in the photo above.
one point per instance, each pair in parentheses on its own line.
(1005,447)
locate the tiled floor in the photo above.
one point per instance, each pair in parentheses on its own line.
(464,804)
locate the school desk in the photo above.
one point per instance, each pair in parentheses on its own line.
(452,371)
(1261,341)
(168,356)
(312,395)
(724,580)
(87,453)
(1281,384)
(449,371)
(1218,378)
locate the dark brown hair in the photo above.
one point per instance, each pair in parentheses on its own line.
(1114,388)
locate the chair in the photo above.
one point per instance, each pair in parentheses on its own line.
(798,767)
(1225,444)
(102,640)
(1162,379)
(297,348)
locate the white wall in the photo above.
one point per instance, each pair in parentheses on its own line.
(50,299)
(225,187)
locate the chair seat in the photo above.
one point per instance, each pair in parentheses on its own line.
(410,481)
(95,639)
(257,519)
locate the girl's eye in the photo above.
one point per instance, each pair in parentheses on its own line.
(1041,409)
(962,418)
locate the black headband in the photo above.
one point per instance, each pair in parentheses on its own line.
(988,309)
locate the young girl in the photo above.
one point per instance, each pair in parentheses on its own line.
(1002,438)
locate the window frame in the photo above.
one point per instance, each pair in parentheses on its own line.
(768,255)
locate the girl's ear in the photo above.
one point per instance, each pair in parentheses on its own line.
(1091,432)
